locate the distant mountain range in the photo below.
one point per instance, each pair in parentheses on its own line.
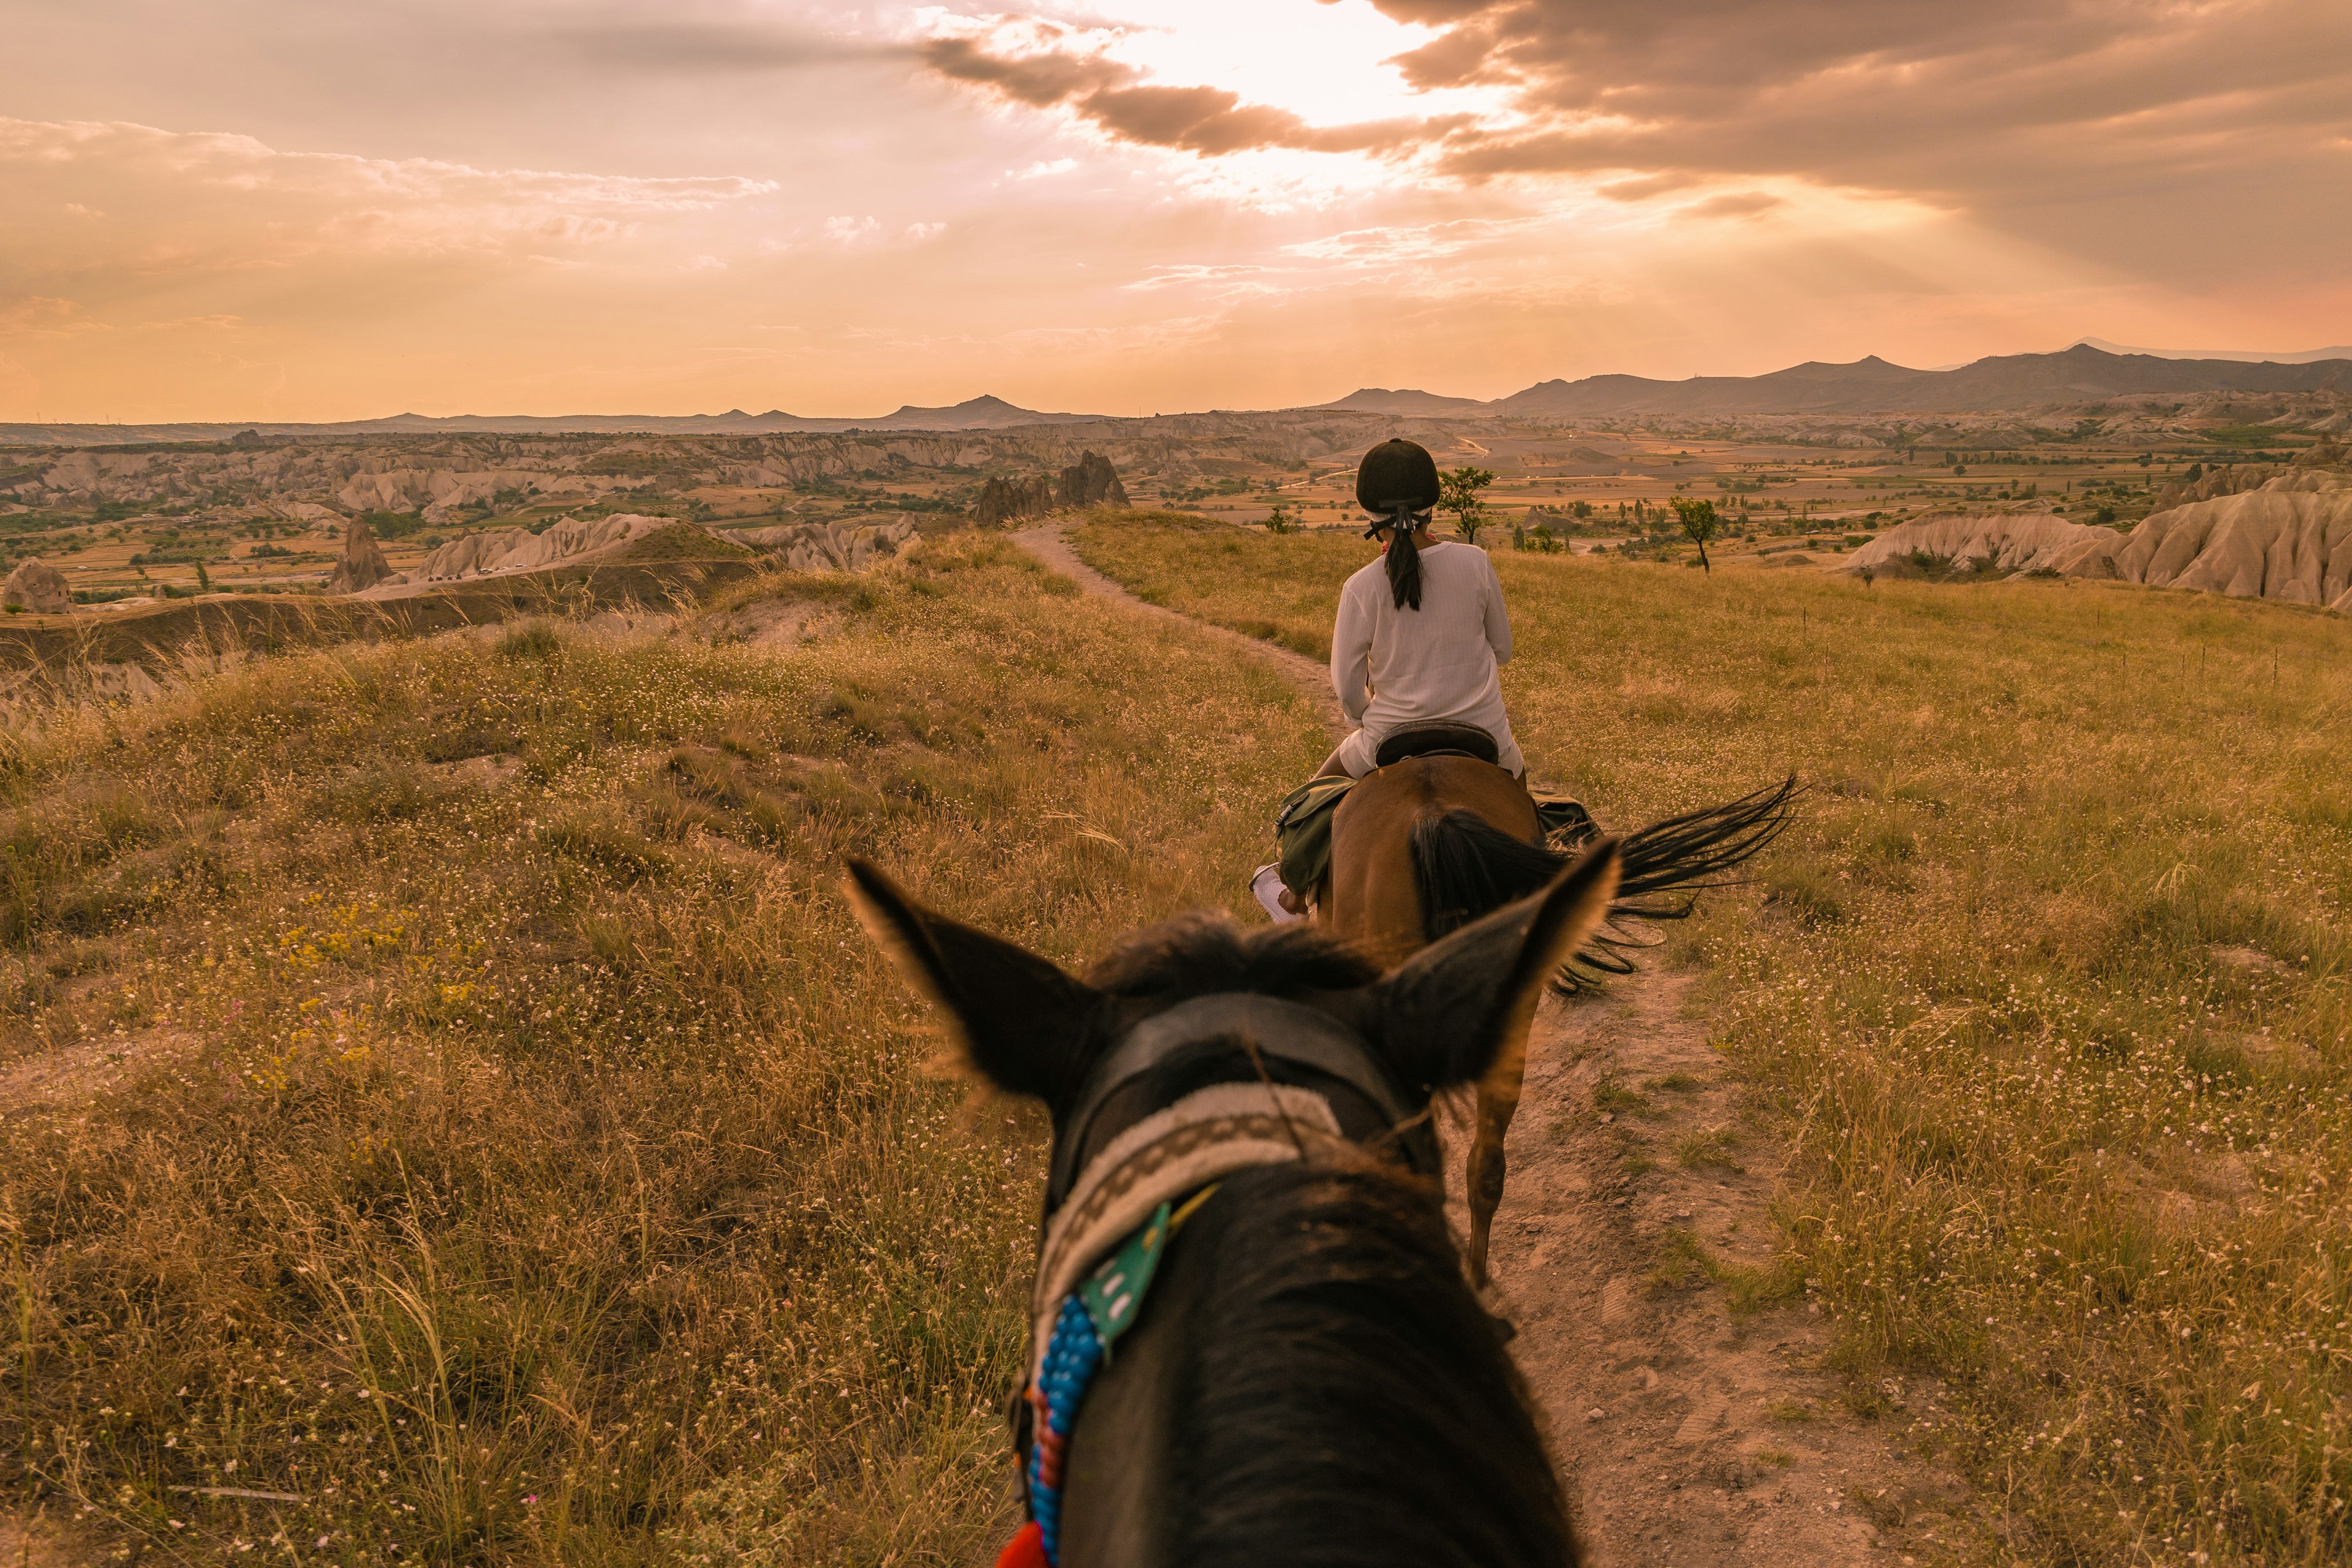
(2083,373)
(1380,400)
(2079,374)
(978,414)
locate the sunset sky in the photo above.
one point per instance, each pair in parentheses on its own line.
(258,209)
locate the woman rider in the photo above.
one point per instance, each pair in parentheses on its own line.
(1420,635)
(1421,632)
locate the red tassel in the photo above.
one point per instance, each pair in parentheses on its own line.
(1026,1550)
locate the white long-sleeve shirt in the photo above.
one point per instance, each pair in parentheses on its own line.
(1394,667)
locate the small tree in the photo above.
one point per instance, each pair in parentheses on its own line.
(204,579)
(1278,520)
(1457,492)
(1699,525)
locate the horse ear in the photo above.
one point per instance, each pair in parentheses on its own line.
(1017,1019)
(1459,1009)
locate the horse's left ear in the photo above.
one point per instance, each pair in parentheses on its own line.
(1019,1021)
(1457,1009)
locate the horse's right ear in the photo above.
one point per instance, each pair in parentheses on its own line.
(1018,1020)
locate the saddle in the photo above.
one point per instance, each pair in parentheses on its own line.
(1439,739)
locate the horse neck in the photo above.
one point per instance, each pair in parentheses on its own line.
(1310,1381)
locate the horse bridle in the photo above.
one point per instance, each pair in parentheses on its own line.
(1281,1031)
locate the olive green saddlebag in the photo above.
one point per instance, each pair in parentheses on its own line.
(1302,833)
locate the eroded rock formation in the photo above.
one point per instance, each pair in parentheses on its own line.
(840,546)
(39,587)
(498,551)
(2009,541)
(2290,539)
(1090,482)
(363,564)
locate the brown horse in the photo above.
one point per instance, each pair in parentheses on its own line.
(1308,1379)
(1424,845)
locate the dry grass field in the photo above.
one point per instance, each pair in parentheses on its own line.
(448,1113)
(2052,987)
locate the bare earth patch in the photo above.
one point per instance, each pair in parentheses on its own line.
(1693,1433)
(75,1073)
(34,1541)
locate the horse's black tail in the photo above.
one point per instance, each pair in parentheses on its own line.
(1466,867)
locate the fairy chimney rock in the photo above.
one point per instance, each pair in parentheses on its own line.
(1090,482)
(363,564)
(37,586)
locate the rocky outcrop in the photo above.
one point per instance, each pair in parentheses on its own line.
(2210,484)
(496,551)
(836,546)
(437,493)
(1090,482)
(2290,540)
(2009,542)
(2235,478)
(1008,501)
(363,564)
(39,587)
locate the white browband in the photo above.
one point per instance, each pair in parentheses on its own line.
(1207,1134)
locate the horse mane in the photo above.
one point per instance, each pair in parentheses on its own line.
(1465,867)
(1341,1397)
(1205,952)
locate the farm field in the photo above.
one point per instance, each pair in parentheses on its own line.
(2051,986)
(451,1116)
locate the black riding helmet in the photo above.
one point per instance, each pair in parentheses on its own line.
(1397,483)
(1396,474)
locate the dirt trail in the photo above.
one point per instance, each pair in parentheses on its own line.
(1694,1436)
(1051,549)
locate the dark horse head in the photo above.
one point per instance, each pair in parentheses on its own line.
(1310,1379)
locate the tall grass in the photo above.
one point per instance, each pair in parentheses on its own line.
(450,1116)
(2054,981)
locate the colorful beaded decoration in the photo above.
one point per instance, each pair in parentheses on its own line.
(1090,1322)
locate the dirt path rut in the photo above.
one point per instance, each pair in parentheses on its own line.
(1698,1427)
(1052,550)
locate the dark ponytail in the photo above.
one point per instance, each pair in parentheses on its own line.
(1404,560)
(1397,484)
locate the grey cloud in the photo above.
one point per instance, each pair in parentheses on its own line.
(1208,121)
(2027,113)
(1963,103)
(1040,80)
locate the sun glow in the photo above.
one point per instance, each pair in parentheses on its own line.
(1327,64)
